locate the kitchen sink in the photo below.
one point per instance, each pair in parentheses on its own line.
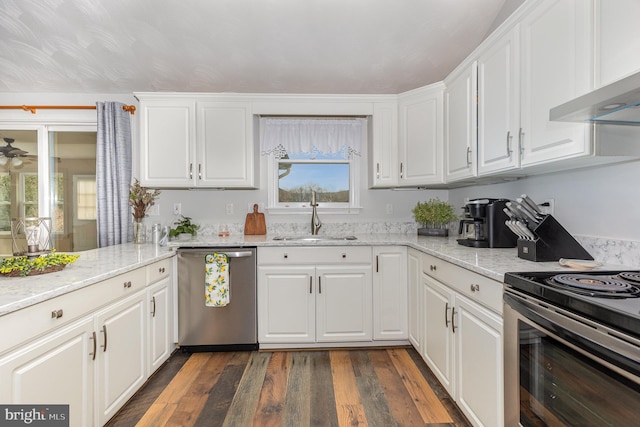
(314,238)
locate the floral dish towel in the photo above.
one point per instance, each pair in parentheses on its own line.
(216,279)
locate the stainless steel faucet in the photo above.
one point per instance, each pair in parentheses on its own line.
(315,220)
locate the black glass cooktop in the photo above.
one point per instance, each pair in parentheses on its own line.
(608,297)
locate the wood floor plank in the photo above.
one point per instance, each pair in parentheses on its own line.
(303,388)
(164,406)
(323,408)
(348,403)
(192,402)
(221,395)
(245,401)
(274,391)
(425,399)
(297,404)
(400,402)
(371,393)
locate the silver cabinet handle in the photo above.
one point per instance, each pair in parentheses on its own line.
(161,270)
(475,287)
(468,156)
(377,265)
(401,170)
(200,171)
(521,142)
(453,322)
(127,284)
(56,314)
(153,301)
(509,150)
(319,285)
(377,170)
(190,170)
(95,345)
(446,315)
(310,284)
(432,267)
(104,331)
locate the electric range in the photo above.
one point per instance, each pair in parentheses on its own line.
(608,297)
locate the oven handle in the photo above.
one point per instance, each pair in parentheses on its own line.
(580,334)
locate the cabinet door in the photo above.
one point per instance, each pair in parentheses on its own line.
(390,293)
(556,64)
(343,304)
(57,369)
(479,364)
(617,41)
(439,344)
(286,304)
(499,106)
(421,137)
(225,156)
(167,143)
(415,291)
(159,334)
(121,354)
(383,143)
(460,125)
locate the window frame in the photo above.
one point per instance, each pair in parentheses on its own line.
(276,207)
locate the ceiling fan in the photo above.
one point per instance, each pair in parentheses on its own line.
(9,152)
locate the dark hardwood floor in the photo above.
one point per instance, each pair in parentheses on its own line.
(376,387)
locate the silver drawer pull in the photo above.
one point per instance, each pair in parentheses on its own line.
(56,314)
(286,255)
(161,270)
(475,287)
(127,284)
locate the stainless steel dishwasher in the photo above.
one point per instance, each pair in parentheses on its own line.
(205,328)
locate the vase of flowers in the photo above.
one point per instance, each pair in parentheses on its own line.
(140,199)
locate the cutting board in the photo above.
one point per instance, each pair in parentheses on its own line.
(254,224)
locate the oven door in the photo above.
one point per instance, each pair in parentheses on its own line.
(561,369)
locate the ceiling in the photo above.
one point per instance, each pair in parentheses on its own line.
(253,46)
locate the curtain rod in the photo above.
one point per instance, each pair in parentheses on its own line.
(130,108)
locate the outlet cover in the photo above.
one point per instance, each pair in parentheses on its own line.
(177,208)
(229,208)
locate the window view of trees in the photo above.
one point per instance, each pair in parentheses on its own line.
(297,181)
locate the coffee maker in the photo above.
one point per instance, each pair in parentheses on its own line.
(483,225)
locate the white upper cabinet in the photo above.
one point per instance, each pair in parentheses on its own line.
(383,146)
(617,40)
(555,63)
(225,151)
(196,142)
(167,142)
(421,115)
(460,123)
(499,105)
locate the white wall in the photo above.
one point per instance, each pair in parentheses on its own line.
(602,201)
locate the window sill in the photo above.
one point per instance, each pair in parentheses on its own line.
(307,211)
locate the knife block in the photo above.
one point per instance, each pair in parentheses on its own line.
(551,243)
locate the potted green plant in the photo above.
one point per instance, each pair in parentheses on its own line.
(184,228)
(434,216)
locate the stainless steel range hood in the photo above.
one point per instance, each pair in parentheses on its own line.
(617,103)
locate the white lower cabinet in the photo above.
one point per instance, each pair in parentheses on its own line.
(92,348)
(390,293)
(462,338)
(415,292)
(120,354)
(55,369)
(314,295)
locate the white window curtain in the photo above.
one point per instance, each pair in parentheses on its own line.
(307,135)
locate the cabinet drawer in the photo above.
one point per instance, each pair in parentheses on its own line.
(475,286)
(308,255)
(159,270)
(30,322)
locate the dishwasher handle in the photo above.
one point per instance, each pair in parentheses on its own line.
(238,254)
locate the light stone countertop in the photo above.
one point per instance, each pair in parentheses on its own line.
(91,267)
(99,264)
